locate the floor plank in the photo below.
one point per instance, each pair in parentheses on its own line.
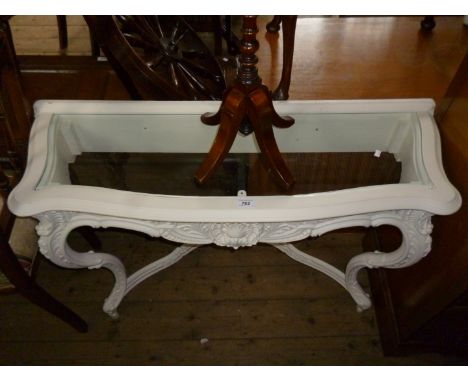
(291,351)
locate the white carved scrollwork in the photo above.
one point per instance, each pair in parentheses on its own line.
(416,229)
(54,227)
(237,235)
(52,236)
(53,230)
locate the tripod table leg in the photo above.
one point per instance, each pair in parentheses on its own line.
(231,114)
(260,115)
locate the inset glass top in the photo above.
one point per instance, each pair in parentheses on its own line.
(160,153)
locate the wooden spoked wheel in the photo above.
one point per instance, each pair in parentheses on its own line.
(171,48)
(159,57)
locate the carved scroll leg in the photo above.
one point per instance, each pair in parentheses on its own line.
(232,114)
(289,31)
(416,228)
(92,260)
(54,228)
(361,298)
(123,285)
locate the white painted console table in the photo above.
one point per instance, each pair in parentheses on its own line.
(62,130)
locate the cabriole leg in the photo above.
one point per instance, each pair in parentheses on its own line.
(416,230)
(53,230)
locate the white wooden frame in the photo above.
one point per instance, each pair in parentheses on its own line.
(45,192)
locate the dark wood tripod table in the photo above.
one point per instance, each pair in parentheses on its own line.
(247,107)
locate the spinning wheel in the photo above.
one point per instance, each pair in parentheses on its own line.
(159,57)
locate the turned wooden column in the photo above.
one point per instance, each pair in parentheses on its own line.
(247,107)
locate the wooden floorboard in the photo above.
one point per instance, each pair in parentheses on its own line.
(255,306)
(253,351)
(335,58)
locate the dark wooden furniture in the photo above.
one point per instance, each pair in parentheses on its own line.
(63,36)
(159,57)
(15,115)
(428,23)
(162,57)
(28,288)
(247,106)
(289,31)
(426,309)
(220,27)
(15,111)
(62,31)
(232,41)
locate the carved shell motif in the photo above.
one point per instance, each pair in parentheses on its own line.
(234,235)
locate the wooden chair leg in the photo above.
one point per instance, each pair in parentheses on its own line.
(289,32)
(62,32)
(95,49)
(428,23)
(218,35)
(274,25)
(10,266)
(5,27)
(231,40)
